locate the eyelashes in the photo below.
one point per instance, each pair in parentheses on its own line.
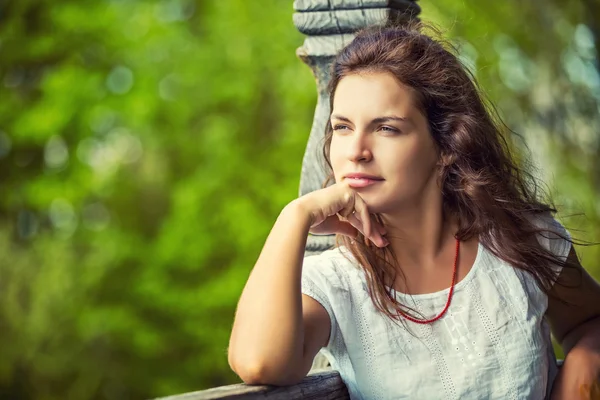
(389,129)
(339,127)
(383,128)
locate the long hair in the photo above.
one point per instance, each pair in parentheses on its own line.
(482,186)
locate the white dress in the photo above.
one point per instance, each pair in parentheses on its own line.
(493,342)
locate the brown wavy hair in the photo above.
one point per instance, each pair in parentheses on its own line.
(491,196)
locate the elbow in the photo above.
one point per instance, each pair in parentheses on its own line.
(254,375)
(265,376)
(249,374)
(257,373)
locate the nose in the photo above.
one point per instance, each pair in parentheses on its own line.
(359,148)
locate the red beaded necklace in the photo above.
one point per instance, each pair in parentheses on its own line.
(429,321)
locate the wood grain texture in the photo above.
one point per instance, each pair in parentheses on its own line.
(349,21)
(322,5)
(322,385)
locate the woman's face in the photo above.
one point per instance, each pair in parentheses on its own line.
(378,131)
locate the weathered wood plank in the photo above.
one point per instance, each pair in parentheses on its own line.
(320,5)
(325,385)
(349,21)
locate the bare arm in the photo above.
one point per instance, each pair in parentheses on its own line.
(576,325)
(277,331)
(570,322)
(267,340)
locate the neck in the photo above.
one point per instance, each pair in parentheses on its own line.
(420,233)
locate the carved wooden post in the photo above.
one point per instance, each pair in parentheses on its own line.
(329,26)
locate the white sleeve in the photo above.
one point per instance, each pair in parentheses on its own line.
(551,239)
(319,281)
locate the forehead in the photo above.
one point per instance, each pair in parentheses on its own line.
(372,93)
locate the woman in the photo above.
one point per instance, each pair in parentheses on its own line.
(450,272)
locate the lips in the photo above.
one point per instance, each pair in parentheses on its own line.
(362,180)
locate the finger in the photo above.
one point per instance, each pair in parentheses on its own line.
(356,223)
(363,215)
(380,230)
(357,213)
(348,208)
(335,224)
(379,225)
(376,237)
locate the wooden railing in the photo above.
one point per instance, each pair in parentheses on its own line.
(323,384)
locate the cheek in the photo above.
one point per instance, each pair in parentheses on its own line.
(423,164)
(412,162)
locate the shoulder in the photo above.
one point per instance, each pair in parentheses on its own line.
(546,221)
(335,268)
(552,235)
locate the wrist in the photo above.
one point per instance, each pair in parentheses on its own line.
(298,209)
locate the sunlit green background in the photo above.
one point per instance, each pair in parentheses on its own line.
(146,147)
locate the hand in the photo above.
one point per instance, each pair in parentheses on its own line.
(579,377)
(339,209)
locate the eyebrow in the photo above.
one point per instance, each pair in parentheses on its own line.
(378,120)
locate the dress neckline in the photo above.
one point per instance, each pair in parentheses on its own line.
(444,292)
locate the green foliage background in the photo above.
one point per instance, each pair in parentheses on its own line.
(146,147)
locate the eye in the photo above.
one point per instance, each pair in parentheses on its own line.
(339,127)
(389,129)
